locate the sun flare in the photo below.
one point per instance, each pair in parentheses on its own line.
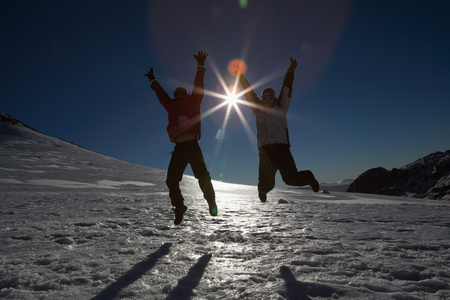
(231,97)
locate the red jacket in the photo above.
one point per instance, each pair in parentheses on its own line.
(184,114)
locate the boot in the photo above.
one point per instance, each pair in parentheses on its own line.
(179,213)
(213,208)
(262,196)
(313,182)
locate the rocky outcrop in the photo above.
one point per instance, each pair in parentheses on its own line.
(428,177)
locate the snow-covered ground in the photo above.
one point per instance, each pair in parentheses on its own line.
(78,225)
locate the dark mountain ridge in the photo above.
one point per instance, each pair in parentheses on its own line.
(427,177)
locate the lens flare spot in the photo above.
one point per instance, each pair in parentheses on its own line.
(243,4)
(183,120)
(234,64)
(220,134)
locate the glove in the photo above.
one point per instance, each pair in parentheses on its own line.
(238,71)
(293,65)
(150,75)
(201,57)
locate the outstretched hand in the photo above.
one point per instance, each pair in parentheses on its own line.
(293,64)
(201,57)
(150,75)
(238,71)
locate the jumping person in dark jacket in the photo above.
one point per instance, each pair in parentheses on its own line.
(184,130)
(273,137)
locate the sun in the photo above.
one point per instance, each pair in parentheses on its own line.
(231,97)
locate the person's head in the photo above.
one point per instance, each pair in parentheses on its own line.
(180,92)
(268,97)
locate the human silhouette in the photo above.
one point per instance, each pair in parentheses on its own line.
(184,130)
(273,137)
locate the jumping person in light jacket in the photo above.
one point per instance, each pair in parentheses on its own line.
(273,136)
(184,130)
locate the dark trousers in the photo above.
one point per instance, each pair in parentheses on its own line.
(274,157)
(188,153)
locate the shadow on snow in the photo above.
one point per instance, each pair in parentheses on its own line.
(296,290)
(134,274)
(182,291)
(188,283)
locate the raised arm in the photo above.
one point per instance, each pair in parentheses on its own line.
(199,81)
(289,77)
(284,99)
(250,94)
(163,97)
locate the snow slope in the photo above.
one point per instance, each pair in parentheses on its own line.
(75,224)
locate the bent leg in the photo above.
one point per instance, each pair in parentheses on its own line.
(308,178)
(267,171)
(177,165)
(291,176)
(201,173)
(288,169)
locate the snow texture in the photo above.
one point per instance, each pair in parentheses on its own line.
(75,224)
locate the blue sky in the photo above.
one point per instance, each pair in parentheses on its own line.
(371,89)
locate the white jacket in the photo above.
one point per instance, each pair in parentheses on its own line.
(271,122)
